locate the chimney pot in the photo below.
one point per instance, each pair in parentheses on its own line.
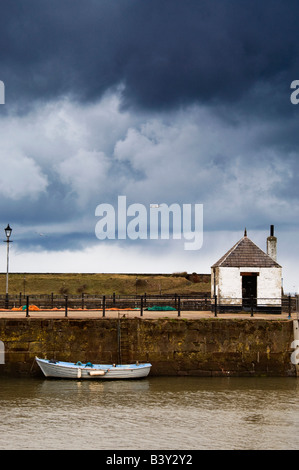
(272,230)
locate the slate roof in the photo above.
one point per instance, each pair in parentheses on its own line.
(246,254)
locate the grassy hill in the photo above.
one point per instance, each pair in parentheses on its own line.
(126,284)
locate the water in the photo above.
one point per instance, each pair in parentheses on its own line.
(166,413)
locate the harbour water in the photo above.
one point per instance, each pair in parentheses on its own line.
(169,413)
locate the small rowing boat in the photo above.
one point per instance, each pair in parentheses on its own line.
(69,370)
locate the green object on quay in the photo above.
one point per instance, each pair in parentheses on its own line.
(158,307)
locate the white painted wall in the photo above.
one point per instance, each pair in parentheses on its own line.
(229,285)
(269,286)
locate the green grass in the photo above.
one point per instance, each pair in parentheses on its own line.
(126,284)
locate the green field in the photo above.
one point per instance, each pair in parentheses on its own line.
(104,284)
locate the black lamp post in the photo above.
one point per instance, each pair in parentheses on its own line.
(8,231)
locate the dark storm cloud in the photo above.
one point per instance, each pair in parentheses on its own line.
(163,101)
(164,53)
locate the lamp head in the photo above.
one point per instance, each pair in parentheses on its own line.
(8,231)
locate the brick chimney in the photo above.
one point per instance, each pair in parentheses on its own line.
(272,244)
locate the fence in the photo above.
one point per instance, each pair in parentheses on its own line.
(86,301)
(285,304)
(178,302)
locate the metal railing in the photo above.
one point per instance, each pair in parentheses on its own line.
(178,302)
(285,303)
(88,301)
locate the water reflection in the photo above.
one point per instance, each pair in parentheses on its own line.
(152,413)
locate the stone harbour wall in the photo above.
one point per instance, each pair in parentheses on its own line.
(175,347)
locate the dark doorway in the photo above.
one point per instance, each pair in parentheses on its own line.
(249,289)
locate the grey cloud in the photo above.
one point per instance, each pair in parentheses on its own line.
(190,156)
(164,54)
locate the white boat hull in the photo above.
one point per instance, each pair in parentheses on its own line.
(68,370)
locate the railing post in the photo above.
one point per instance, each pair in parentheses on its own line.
(82,301)
(251,306)
(118,340)
(27,306)
(215,297)
(104,305)
(290,307)
(65,305)
(141,306)
(179,306)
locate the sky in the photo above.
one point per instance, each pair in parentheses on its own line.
(158,101)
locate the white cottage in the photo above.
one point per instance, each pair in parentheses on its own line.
(247,276)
